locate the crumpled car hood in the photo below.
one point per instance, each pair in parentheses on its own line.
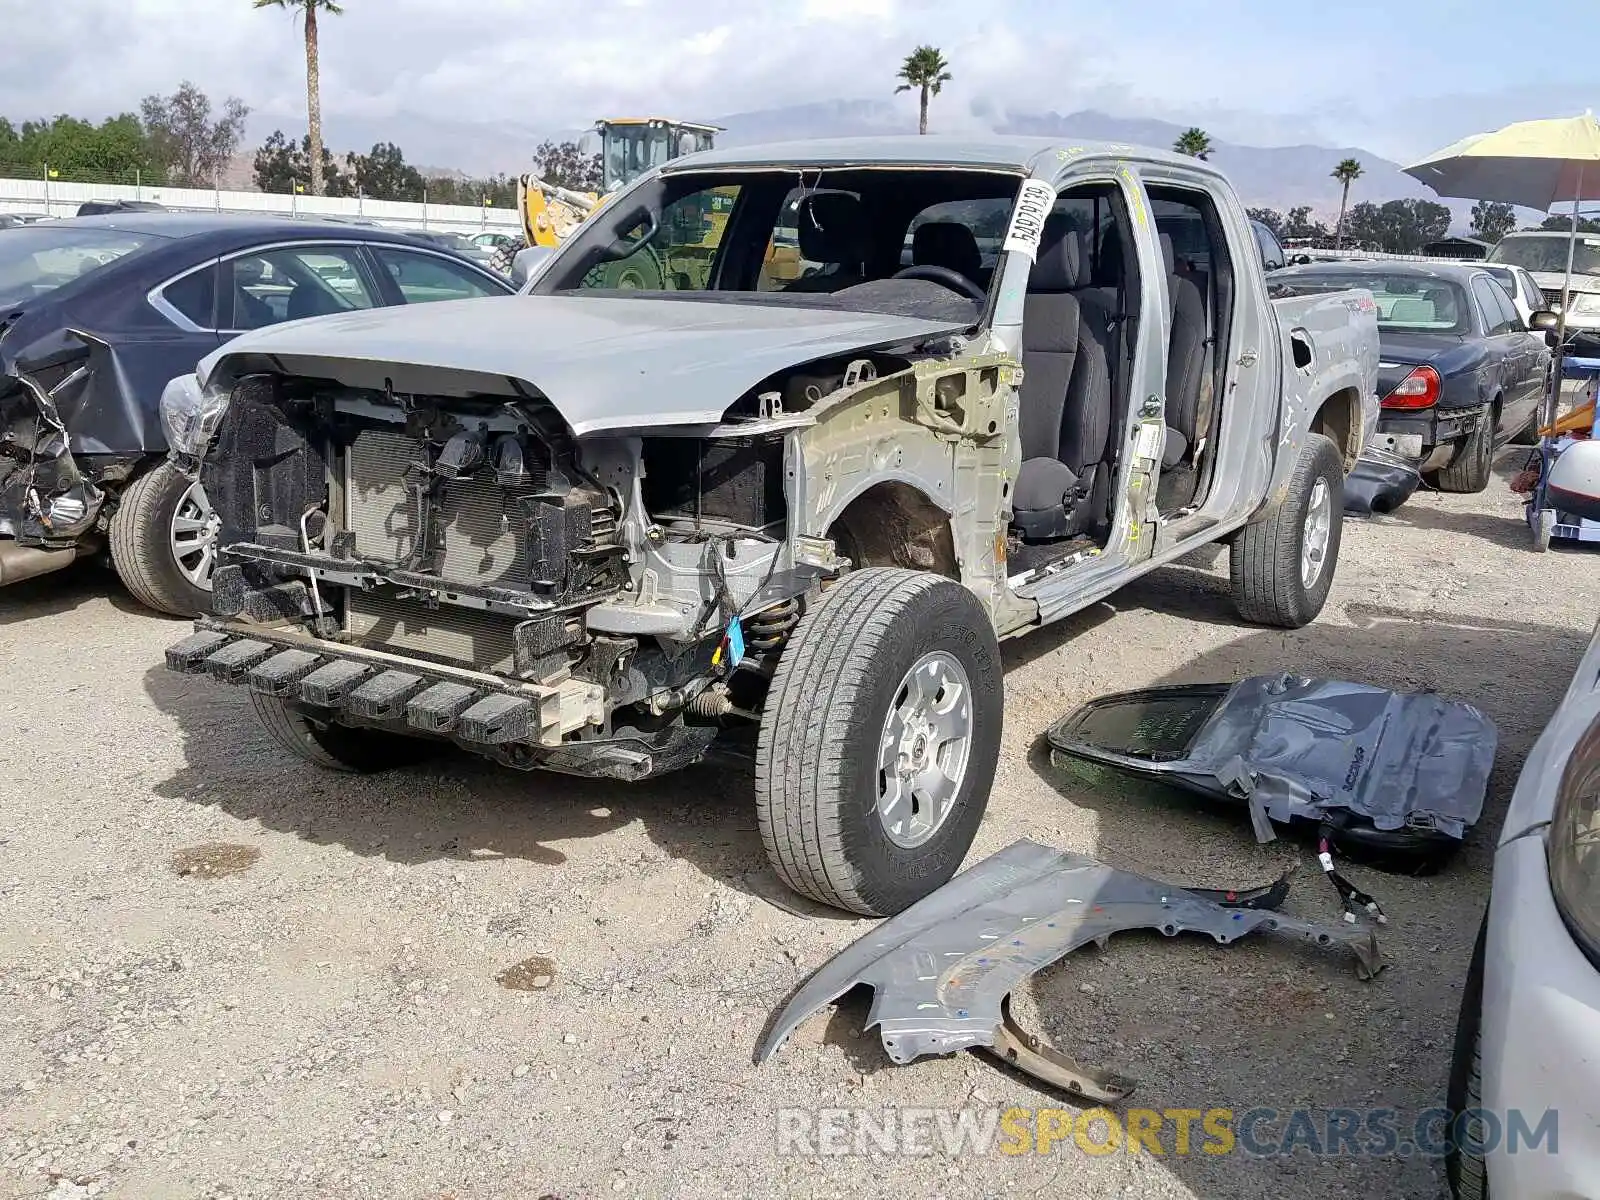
(605,362)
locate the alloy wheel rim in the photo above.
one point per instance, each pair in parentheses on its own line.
(924,749)
(192,537)
(1318,531)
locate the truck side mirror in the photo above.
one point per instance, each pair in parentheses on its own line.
(1544,320)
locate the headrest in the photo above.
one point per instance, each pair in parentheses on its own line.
(1059,261)
(947,244)
(833,229)
(1169,256)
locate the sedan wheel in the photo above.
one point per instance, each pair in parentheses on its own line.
(164,542)
(194,536)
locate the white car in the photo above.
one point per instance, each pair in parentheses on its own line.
(1527,1060)
(1521,287)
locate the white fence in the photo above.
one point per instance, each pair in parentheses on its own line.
(58,199)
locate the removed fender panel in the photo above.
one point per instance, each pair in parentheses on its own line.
(1412,765)
(942,969)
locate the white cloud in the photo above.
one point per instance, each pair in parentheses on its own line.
(398,69)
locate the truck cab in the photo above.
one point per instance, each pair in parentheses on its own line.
(601,530)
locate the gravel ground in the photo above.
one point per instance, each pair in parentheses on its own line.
(224,973)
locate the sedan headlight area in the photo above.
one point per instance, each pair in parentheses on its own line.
(1575,843)
(1586,302)
(190,415)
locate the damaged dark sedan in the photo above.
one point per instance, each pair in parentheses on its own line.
(97,314)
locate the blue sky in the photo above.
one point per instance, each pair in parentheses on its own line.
(1396,78)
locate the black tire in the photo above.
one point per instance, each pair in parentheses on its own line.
(1463,1164)
(337,747)
(817,772)
(141,547)
(1470,470)
(1264,559)
(1528,435)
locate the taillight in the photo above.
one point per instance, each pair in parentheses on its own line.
(1420,389)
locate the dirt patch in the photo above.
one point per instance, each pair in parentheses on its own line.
(530,975)
(214,860)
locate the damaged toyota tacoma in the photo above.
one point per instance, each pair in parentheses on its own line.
(598,531)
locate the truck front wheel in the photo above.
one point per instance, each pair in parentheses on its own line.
(1282,566)
(879,740)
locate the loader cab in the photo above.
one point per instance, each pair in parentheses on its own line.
(630,146)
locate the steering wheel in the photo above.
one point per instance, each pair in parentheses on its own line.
(945,277)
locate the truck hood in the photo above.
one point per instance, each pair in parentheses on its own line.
(1552,281)
(606,363)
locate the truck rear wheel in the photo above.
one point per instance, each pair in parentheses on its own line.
(879,740)
(1282,566)
(336,747)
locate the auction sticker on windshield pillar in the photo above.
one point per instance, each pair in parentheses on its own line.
(1027,222)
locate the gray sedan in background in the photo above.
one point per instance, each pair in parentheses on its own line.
(1526,1076)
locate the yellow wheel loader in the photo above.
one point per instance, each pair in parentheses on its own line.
(630,146)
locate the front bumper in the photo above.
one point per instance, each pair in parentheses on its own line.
(1540,1034)
(360,686)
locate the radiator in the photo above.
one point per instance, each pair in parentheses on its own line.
(480,545)
(465,636)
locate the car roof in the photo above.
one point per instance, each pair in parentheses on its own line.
(1452,272)
(914,150)
(244,225)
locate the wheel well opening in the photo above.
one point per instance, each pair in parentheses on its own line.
(1339,420)
(894,525)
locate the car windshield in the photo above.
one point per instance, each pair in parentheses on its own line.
(37,259)
(831,238)
(1547,253)
(1406,302)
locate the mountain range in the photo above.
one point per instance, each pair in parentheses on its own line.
(1277,177)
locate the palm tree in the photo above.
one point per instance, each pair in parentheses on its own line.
(1195,142)
(924,68)
(313,87)
(1347,172)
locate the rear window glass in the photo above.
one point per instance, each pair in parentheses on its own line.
(986,220)
(1418,303)
(37,259)
(195,296)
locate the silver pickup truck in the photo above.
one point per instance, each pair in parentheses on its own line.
(704,485)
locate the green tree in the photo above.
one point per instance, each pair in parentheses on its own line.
(1299,224)
(285,167)
(566,165)
(115,150)
(1270,217)
(1195,142)
(1492,220)
(185,140)
(1556,223)
(1397,226)
(926,72)
(1347,172)
(384,174)
(309,9)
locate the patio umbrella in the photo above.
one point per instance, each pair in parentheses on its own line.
(1533,164)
